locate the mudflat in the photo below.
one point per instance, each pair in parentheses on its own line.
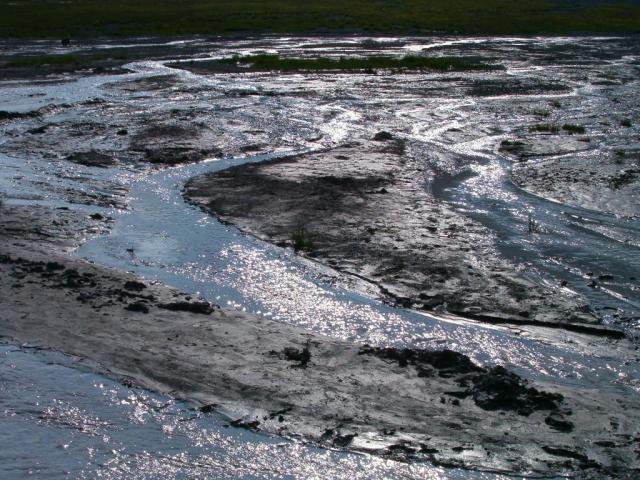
(362,208)
(414,404)
(430,188)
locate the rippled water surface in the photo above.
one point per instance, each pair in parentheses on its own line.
(59,417)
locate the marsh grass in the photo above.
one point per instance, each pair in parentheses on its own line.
(37,60)
(76,18)
(569,128)
(622,179)
(300,239)
(66,62)
(275,62)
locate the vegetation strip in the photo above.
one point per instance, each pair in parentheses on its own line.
(410,62)
(88,18)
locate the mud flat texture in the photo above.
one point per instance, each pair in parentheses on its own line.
(610,185)
(362,208)
(424,405)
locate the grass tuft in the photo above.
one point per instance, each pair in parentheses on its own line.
(532,225)
(622,179)
(544,128)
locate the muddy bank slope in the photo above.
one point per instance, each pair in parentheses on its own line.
(362,208)
(431,405)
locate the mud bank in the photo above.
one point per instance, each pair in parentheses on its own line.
(610,185)
(424,405)
(362,208)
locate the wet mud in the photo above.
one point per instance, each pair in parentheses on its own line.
(361,209)
(435,405)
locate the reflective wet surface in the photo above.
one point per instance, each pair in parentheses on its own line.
(61,418)
(160,237)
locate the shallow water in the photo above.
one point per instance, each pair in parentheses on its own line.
(93,428)
(568,244)
(163,238)
(61,420)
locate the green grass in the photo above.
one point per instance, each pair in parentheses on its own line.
(532,224)
(275,62)
(626,122)
(622,179)
(572,129)
(77,18)
(569,128)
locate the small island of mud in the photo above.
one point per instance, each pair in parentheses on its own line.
(362,208)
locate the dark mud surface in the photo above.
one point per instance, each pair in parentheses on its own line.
(360,208)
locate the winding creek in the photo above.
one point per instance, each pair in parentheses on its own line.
(83,425)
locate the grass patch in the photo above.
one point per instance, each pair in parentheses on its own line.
(75,18)
(275,62)
(572,129)
(541,113)
(533,226)
(544,128)
(626,122)
(555,104)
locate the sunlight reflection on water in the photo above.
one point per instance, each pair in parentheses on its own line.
(92,427)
